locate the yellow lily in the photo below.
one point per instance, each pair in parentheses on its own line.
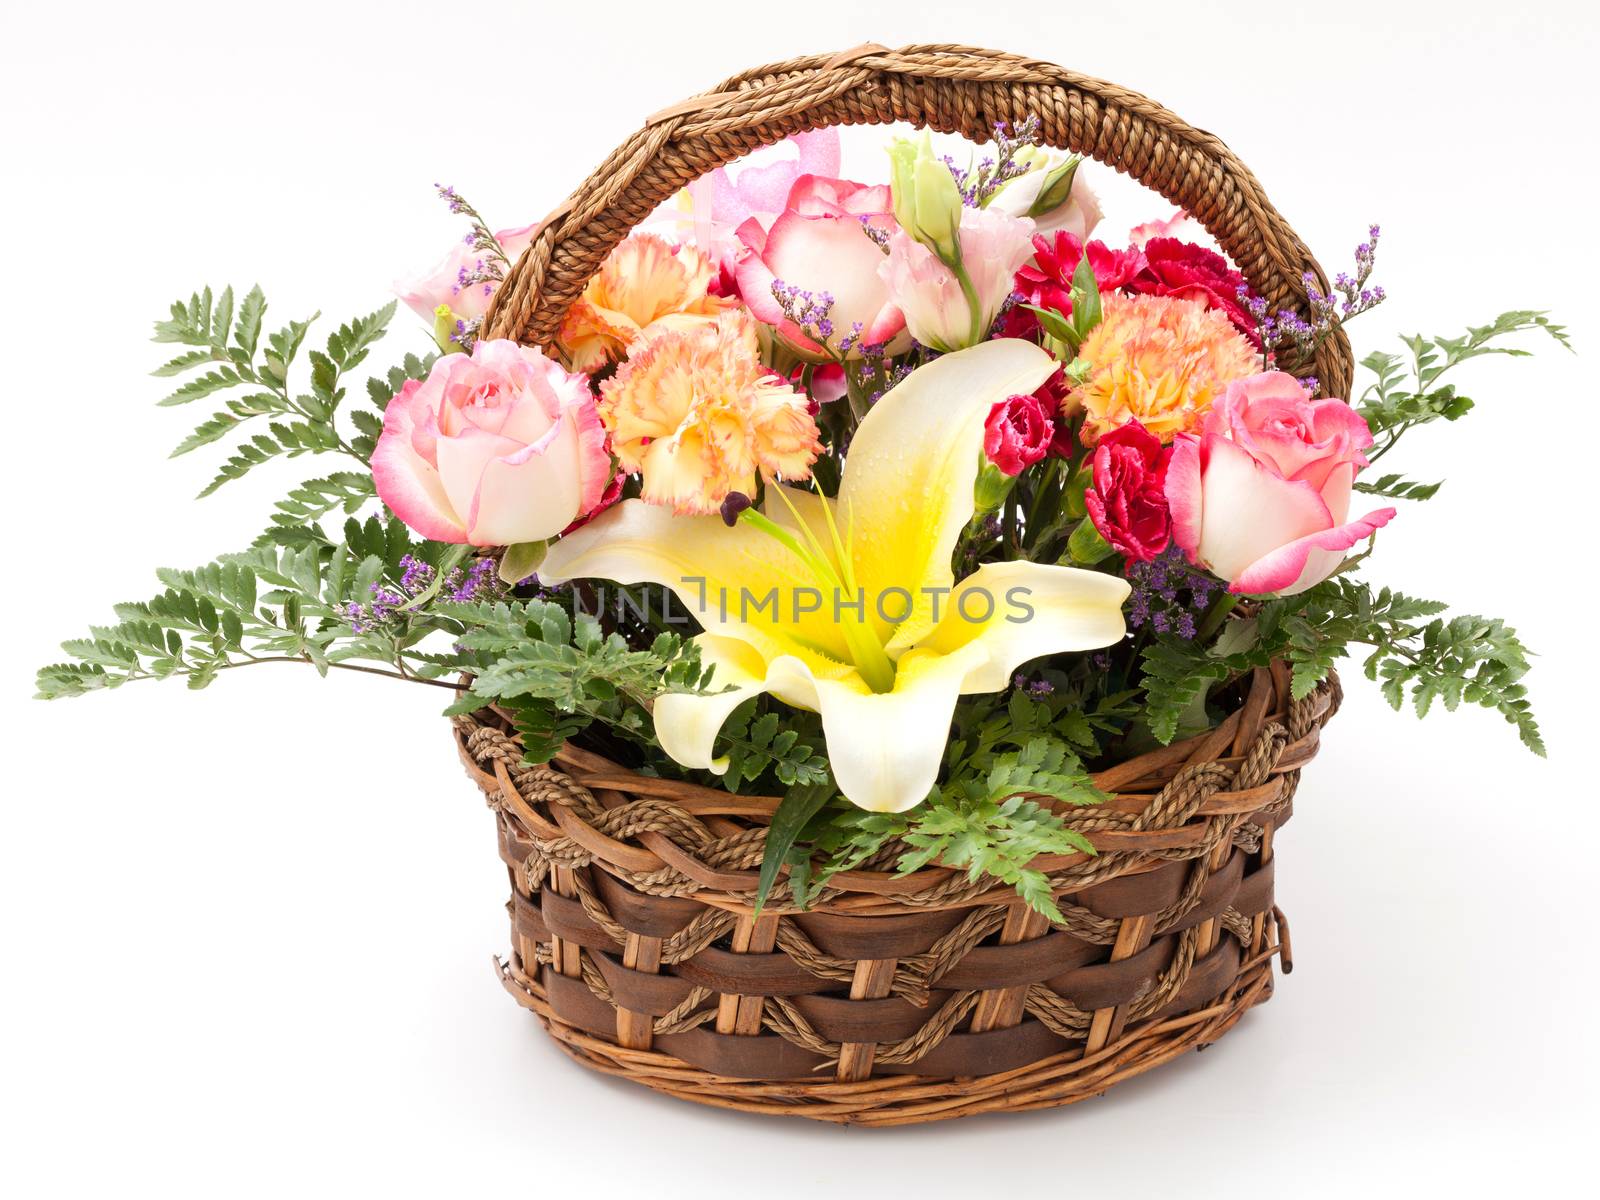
(849,607)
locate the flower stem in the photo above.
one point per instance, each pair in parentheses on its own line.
(1216,615)
(975,330)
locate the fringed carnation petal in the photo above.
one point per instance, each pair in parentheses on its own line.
(1158,360)
(697,412)
(645,286)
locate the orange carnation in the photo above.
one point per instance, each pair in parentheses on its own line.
(646,287)
(1159,360)
(696,412)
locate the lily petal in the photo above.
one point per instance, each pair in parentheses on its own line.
(687,723)
(1008,613)
(885,748)
(908,479)
(723,576)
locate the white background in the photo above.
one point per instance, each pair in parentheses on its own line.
(247,931)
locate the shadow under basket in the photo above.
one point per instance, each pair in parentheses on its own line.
(895,999)
(900,999)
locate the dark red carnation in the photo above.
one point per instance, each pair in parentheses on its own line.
(1190,272)
(1052,394)
(1127,501)
(1017,433)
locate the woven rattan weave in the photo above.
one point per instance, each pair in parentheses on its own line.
(895,999)
(899,999)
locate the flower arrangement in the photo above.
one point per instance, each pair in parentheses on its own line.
(910,501)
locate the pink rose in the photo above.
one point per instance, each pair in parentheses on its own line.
(1127,501)
(1017,433)
(935,307)
(817,246)
(722,201)
(494,448)
(1262,497)
(1179,225)
(446,283)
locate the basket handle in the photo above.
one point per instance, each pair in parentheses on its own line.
(946,88)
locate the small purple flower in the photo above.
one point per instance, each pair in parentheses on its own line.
(479,581)
(415,575)
(1037,688)
(1169,595)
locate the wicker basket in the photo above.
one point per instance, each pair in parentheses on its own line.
(899,999)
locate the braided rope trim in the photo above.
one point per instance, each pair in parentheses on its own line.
(914,977)
(1055,1012)
(1174,806)
(951,88)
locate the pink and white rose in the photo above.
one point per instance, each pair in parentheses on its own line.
(818,246)
(1261,497)
(1179,225)
(447,282)
(494,448)
(723,200)
(928,293)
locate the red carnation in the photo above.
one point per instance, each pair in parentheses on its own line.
(1182,269)
(1017,433)
(1047,281)
(1128,502)
(1052,395)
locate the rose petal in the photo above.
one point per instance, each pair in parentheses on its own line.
(1248,511)
(1288,569)
(406,481)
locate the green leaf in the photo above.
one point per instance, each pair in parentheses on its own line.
(1085,300)
(1086,546)
(1399,488)
(793,814)
(1053,323)
(521,560)
(247,329)
(204,385)
(1177,674)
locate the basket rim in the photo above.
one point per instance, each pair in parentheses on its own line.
(570,801)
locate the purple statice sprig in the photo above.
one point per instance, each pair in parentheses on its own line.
(387,605)
(494,262)
(1036,689)
(876,233)
(1169,595)
(1350,296)
(480,581)
(978,182)
(487,271)
(810,311)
